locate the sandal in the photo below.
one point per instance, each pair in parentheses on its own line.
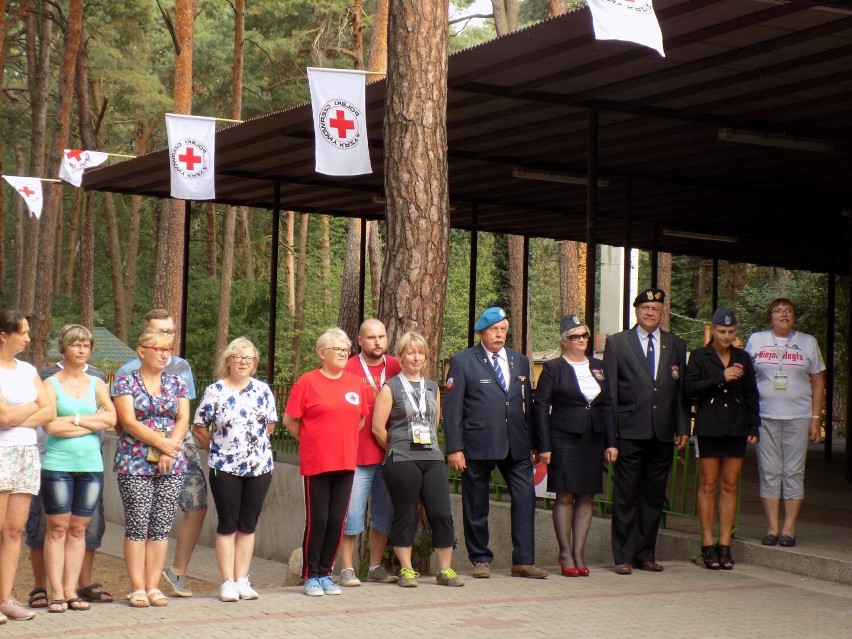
(37,598)
(57,606)
(78,604)
(710,557)
(726,562)
(138,599)
(157,599)
(94,594)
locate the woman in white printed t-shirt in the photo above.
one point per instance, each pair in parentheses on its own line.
(791,383)
(24,406)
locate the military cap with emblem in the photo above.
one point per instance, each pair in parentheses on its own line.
(489,316)
(724,317)
(568,322)
(650,295)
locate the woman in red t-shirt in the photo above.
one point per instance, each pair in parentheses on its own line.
(324,412)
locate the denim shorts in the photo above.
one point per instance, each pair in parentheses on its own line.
(36,526)
(368,482)
(65,492)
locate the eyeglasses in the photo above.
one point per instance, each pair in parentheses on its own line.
(243,359)
(159,350)
(338,350)
(647,308)
(80,347)
(578,337)
(782,311)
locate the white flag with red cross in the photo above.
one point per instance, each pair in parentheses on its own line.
(192,148)
(628,20)
(340,122)
(75,162)
(28,188)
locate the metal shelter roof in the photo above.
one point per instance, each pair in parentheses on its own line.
(763,72)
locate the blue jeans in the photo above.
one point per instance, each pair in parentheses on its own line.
(369,482)
(70,492)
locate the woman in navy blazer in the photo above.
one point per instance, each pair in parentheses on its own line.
(575,430)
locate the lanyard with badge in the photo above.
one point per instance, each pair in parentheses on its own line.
(779,379)
(419,429)
(369,376)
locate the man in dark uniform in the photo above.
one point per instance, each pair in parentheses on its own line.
(487,415)
(645,367)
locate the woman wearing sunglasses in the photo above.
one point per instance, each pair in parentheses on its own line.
(575,430)
(153,409)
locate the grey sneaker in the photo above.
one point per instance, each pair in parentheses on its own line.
(349,578)
(408,578)
(177,582)
(382,576)
(449,577)
(481,570)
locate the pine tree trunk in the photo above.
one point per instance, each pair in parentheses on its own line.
(87,265)
(73,239)
(517,312)
(290,263)
(414,274)
(114,252)
(374,251)
(569,278)
(379,40)
(325,259)
(52,211)
(347,316)
(557,7)
(20,221)
(245,264)
(210,239)
(142,136)
(2,217)
(664,281)
(299,318)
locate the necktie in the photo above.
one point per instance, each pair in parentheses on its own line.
(649,355)
(495,360)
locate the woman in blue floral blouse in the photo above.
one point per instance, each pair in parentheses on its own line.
(153,410)
(234,422)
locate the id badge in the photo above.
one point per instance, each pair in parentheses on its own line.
(421,433)
(779,381)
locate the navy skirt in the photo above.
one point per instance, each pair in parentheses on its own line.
(725,446)
(576,462)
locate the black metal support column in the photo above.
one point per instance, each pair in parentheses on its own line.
(829,356)
(474,258)
(362,271)
(273,282)
(655,260)
(525,298)
(627,264)
(591,225)
(184,293)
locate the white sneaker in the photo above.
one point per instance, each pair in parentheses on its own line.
(228,591)
(245,589)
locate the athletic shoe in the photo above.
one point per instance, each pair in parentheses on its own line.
(228,591)
(380,575)
(313,587)
(449,577)
(328,586)
(348,578)
(177,582)
(12,609)
(481,570)
(245,589)
(408,578)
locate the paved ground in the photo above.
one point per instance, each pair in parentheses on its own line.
(684,601)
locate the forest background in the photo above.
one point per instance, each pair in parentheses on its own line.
(125,82)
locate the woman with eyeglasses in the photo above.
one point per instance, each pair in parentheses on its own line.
(153,409)
(233,422)
(574,421)
(324,413)
(791,383)
(720,379)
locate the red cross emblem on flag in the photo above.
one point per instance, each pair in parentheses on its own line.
(75,154)
(189,158)
(338,124)
(27,191)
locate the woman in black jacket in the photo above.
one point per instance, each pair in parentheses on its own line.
(721,381)
(575,430)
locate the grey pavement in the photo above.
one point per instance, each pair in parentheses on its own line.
(684,601)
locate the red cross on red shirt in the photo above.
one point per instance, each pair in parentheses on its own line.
(27,191)
(189,158)
(75,154)
(340,123)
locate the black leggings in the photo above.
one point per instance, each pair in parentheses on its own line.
(326,501)
(409,482)
(238,500)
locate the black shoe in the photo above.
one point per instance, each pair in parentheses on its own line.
(787,541)
(726,562)
(710,557)
(769,540)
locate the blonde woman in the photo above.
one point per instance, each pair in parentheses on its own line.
(233,423)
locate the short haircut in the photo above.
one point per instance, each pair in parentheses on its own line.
(155,339)
(11,320)
(223,368)
(333,335)
(563,339)
(155,314)
(71,333)
(780,301)
(412,340)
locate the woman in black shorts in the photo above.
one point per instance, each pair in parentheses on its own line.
(721,381)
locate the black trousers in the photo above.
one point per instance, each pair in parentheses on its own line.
(639,493)
(476,500)
(326,501)
(238,499)
(408,483)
